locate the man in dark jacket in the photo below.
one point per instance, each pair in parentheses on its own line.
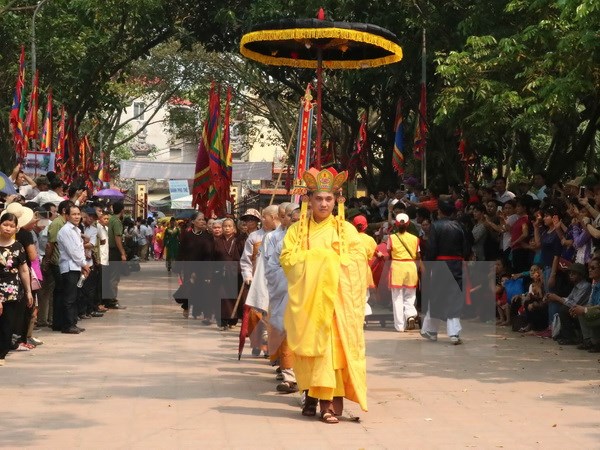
(443,296)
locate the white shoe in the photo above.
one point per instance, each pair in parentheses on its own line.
(35,341)
(455,340)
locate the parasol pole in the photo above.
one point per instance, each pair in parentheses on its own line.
(287,157)
(319,102)
(424,84)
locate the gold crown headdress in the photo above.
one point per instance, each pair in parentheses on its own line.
(326,180)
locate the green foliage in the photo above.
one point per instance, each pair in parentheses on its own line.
(539,83)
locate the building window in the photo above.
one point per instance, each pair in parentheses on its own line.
(138,110)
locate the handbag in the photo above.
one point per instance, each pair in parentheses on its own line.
(35,282)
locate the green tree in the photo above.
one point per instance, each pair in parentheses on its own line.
(529,97)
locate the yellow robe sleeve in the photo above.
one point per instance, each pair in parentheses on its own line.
(311,292)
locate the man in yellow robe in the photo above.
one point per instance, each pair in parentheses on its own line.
(326,267)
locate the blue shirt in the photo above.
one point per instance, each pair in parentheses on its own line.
(551,247)
(595,297)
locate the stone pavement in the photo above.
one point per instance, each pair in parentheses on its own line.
(145,377)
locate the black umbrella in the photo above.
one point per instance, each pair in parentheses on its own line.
(317,44)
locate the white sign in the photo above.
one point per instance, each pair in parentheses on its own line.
(38,163)
(180,194)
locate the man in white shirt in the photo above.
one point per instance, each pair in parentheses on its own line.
(103,250)
(72,265)
(55,195)
(502,195)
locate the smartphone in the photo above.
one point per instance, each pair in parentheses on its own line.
(402,187)
(582,192)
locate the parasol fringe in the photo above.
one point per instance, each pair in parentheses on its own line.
(320,33)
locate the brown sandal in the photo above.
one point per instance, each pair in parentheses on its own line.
(328,417)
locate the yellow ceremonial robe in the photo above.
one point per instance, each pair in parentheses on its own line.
(325,311)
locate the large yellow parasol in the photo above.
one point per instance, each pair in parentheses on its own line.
(317,44)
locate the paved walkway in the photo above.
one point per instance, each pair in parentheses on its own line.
(145,377)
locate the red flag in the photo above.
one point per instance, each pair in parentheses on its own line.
(60,144)
(70,150)
(31,123)
(103,172)
(328,156)
(202,176)
(358,158)
(420,141)
(81,159)
(46,144)
(226,138)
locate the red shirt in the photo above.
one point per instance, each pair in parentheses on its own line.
(517,229)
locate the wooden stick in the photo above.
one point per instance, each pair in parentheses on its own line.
(237,302)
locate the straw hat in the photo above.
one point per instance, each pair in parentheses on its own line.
(251,214)
(24,215)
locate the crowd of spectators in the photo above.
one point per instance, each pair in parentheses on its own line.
(545,240)
(54,259)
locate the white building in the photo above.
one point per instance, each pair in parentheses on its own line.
(159,156)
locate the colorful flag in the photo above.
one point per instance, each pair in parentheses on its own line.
(214,136)
(420,141)
(46,144)
(15,118)
(398,152)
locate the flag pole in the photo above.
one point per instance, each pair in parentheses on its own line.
(423,85)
